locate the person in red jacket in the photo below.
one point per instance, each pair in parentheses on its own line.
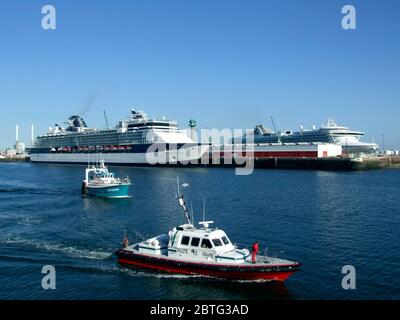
(125,242)
(254,251)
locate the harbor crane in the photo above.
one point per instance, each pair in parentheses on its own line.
(276,131)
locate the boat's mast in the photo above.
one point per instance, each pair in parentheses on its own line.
(191,212)
(204,209)
(182,203)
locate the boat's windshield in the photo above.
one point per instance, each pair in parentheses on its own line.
(217,242)
(103,175)
(225,240)
(205,243)
(195,242)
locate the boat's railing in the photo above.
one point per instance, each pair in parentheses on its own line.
(99,182)
(137,236)
(267,252)
(124,180)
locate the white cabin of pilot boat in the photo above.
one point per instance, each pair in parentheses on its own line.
(186,242)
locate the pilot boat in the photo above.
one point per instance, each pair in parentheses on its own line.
(202,250)
(100,182)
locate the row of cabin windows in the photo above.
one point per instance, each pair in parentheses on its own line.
(205,243)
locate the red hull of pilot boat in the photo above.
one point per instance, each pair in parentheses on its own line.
(201,269)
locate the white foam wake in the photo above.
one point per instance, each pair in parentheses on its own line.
(70,251)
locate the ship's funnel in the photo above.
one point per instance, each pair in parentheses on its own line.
(192,126)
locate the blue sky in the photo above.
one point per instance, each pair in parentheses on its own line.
(227,64)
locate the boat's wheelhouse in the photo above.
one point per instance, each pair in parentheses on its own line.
(186,242)
(101,176)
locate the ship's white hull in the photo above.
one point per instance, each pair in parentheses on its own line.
(189,155)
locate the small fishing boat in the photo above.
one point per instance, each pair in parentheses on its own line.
(100,182)
(203,251)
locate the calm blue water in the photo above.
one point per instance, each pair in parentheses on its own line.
(324,219)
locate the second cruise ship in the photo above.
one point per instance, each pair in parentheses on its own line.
(328,133)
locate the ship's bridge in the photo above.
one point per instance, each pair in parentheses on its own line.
(139,121)
(138,115)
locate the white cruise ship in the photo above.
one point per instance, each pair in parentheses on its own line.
(136,140)
(328,133)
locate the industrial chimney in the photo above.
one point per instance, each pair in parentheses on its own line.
(32,136)
(17,145)
(16,134)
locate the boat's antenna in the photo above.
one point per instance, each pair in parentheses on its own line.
(204,209)
(205,223)
(191,204)
(182,203)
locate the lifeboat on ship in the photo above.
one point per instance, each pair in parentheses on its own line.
(203,250)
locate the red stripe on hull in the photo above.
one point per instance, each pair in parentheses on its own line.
(277,276)
(269,154)
(284,154)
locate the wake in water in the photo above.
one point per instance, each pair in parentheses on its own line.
(137,272)
(10,189)
(78,253)
(70,251)
(30,221)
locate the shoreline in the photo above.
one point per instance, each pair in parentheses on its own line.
(15,159)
